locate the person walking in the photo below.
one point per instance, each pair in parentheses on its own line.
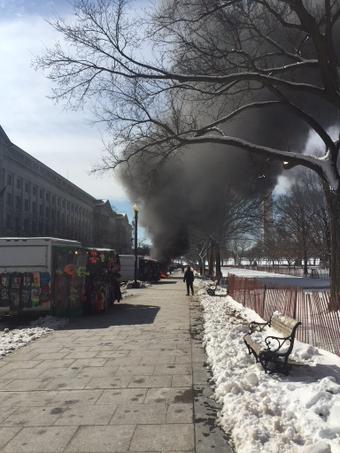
(189,280)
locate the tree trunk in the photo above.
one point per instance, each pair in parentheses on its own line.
(305,264)
(211,261)
(333,202)
(218,262)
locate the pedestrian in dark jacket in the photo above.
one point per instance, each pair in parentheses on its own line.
(189,280)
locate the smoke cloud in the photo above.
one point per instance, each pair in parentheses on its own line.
(187,192)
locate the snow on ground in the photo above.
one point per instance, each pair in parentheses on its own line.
(270,413)
(278,280)
(12,339)
(252,273)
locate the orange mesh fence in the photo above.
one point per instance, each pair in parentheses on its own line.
(320,326)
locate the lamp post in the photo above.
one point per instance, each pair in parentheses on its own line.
(136,209)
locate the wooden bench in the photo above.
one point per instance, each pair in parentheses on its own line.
(274,353)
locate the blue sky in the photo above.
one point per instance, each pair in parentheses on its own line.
(67,141)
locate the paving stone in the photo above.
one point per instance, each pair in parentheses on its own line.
(24,384)
(96,371)
(172,369)
(146,370)
(170,395)
(88,362)
(163,437)
(50,356)
(94,439)
(67,383)
(31,416)
(6,434)
(84,414)
(107,382)
(26,373)
(62,363)
(58,372)
(19,364)
(122,361)
(40,440)
(139,414)
(81,354)
(179,413)
(112,354)
(122,396)
(181,380)
(150,381)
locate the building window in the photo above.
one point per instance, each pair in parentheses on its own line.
(9,221)
(41,193)
(26,225)
(27,187)
(48,196)
(53,199)
(34,190)
(18,202)
(34,207)
(9,180)
(9,199)
(27,205)
(19,183)
(47,211)
(41,210)
(17,224)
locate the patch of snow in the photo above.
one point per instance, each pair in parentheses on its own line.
(270,413)
(13,339)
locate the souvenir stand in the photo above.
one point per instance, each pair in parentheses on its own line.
(42,275)
(69,277)
(102,284)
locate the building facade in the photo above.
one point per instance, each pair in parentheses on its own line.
(37,201)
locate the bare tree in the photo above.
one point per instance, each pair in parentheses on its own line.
(276,55)
(302,219)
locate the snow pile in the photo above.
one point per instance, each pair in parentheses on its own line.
(11,340)
(270,413)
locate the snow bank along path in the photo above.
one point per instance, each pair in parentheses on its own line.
(270,413)
(10,340)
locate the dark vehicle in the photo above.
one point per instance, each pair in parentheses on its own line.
(149,270)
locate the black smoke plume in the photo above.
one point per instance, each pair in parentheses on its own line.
(187,192)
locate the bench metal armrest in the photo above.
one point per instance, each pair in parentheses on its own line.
(257,326)
(280,342)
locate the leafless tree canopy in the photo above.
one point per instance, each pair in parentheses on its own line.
(153,80)
(254,54)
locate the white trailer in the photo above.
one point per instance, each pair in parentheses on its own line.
(27,254)
(127,267)
(33,272)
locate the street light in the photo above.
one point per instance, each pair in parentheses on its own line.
(136,210)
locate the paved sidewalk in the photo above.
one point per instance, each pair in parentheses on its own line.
(117,382)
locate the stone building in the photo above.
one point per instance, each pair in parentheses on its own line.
(106,223)
(37,201)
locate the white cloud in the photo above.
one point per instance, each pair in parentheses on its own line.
(64,140)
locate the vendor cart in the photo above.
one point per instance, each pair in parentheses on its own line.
(42,274)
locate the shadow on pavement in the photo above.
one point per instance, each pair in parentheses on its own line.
(164,282)
(119,315)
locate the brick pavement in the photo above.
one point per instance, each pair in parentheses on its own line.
(117,382)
